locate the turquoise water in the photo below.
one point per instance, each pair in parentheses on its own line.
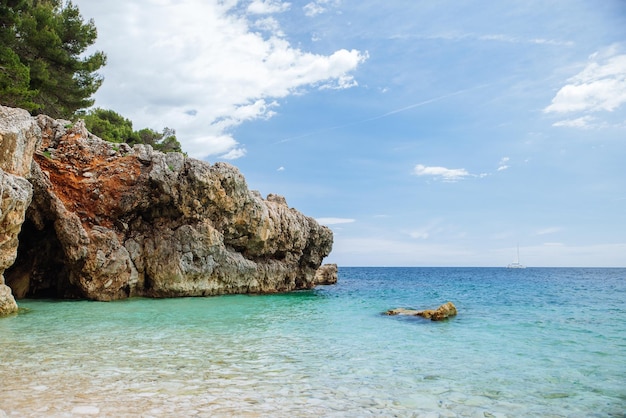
(533,342)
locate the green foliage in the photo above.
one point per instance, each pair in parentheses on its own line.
(52,74)
(14,75)
(113,127)
(163,141)
(110,126)
(15,82)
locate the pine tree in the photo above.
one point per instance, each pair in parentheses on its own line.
(14,75)
(50,40)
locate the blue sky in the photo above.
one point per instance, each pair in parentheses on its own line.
(423,133)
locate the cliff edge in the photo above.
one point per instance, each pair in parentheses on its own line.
(105,221)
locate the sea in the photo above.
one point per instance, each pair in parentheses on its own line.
(534,342)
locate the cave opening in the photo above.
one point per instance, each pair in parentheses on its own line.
(40,269)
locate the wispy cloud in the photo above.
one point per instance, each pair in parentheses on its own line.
(334,221)
(518,40)
(489,37)
(451,175)
(443,173)
(583,122)
(426,231)
(420,234)
(318,7)
(547,231)
(269,25)
(384,115)
(503,164)
(600,86)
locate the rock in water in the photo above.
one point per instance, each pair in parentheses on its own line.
(108,221)
(444,311)
(326,274)
(7,301)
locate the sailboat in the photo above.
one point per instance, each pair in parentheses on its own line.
(516,264)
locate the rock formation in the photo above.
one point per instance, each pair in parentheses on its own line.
(326,274)
(19,136)
(108,221)
(443,312)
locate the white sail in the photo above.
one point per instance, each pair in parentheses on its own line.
(516,264)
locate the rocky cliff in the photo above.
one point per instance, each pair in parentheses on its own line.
(107,221)
(19,137)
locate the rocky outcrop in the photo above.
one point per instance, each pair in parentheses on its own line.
(108,221)
(326,274)
(444,311)
(19,136)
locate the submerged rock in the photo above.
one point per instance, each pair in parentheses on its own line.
(442,312)
(108,221)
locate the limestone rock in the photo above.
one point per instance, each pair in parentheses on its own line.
(326,274)
(7,301)
(108,222)
(19,135)
(444,311)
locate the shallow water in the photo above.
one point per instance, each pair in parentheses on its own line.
(533,342)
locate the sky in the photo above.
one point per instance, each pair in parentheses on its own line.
(423,133)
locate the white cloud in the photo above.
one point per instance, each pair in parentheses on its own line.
(234,153)
(451,175)
(215,144)
(583,122)
(267,7)
(601,86)
(555,42)
(516,40)
(340,83)
(334,221)
(547,231)
(446,174)
(167,57)
(317,7)
(269,24)
(313,9)
(490,37)
(281,168)
(502,165)
(244,112)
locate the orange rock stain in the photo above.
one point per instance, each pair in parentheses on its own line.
(89,184)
